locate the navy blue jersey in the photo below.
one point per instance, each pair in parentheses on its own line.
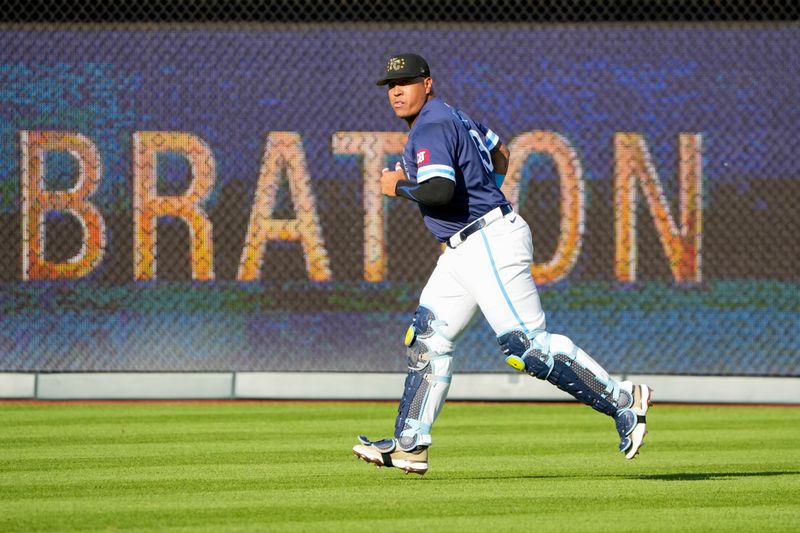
(445,142)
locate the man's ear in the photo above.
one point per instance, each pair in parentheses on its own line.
(428,85)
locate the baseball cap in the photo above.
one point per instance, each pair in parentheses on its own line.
(405,66)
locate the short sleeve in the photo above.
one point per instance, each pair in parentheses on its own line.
(434,152)
(492,139)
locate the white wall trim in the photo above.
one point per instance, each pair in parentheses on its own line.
(20,386)
(124,386)
(371,386)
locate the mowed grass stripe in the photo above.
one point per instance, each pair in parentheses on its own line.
(253,466)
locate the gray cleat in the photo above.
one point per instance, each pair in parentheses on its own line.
(386,453)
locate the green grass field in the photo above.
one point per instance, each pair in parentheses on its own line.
(263,466)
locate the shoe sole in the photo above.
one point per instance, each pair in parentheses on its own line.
(409,467)
(640,431)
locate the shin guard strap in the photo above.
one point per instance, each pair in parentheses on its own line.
(556,359)
(581,384)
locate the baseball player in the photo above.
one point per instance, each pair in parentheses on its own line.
(453,168)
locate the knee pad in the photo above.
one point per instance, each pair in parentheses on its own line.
(526,355)
(555,358)
(424,339)
(427,382)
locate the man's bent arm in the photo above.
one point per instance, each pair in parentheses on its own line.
(435,191)
(500,155)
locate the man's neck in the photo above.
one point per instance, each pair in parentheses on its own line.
(411,120)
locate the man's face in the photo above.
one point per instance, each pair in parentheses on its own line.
(408,95)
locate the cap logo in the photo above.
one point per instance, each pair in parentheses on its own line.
(396,63)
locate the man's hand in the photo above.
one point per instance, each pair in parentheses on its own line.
(389,179)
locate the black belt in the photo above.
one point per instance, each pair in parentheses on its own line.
(495,214)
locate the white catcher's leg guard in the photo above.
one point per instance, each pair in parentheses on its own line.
(556,359)
(430,369)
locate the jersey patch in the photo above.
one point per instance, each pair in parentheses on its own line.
(423,157)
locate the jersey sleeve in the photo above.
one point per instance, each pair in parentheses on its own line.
(492,139)
(434,152)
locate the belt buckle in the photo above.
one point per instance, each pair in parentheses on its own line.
(477,224)
(461,238)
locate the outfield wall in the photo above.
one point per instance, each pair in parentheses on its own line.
(202,198)
(370,386)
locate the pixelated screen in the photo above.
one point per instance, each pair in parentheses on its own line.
(205,198)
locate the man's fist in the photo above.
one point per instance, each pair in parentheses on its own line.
(389,179)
